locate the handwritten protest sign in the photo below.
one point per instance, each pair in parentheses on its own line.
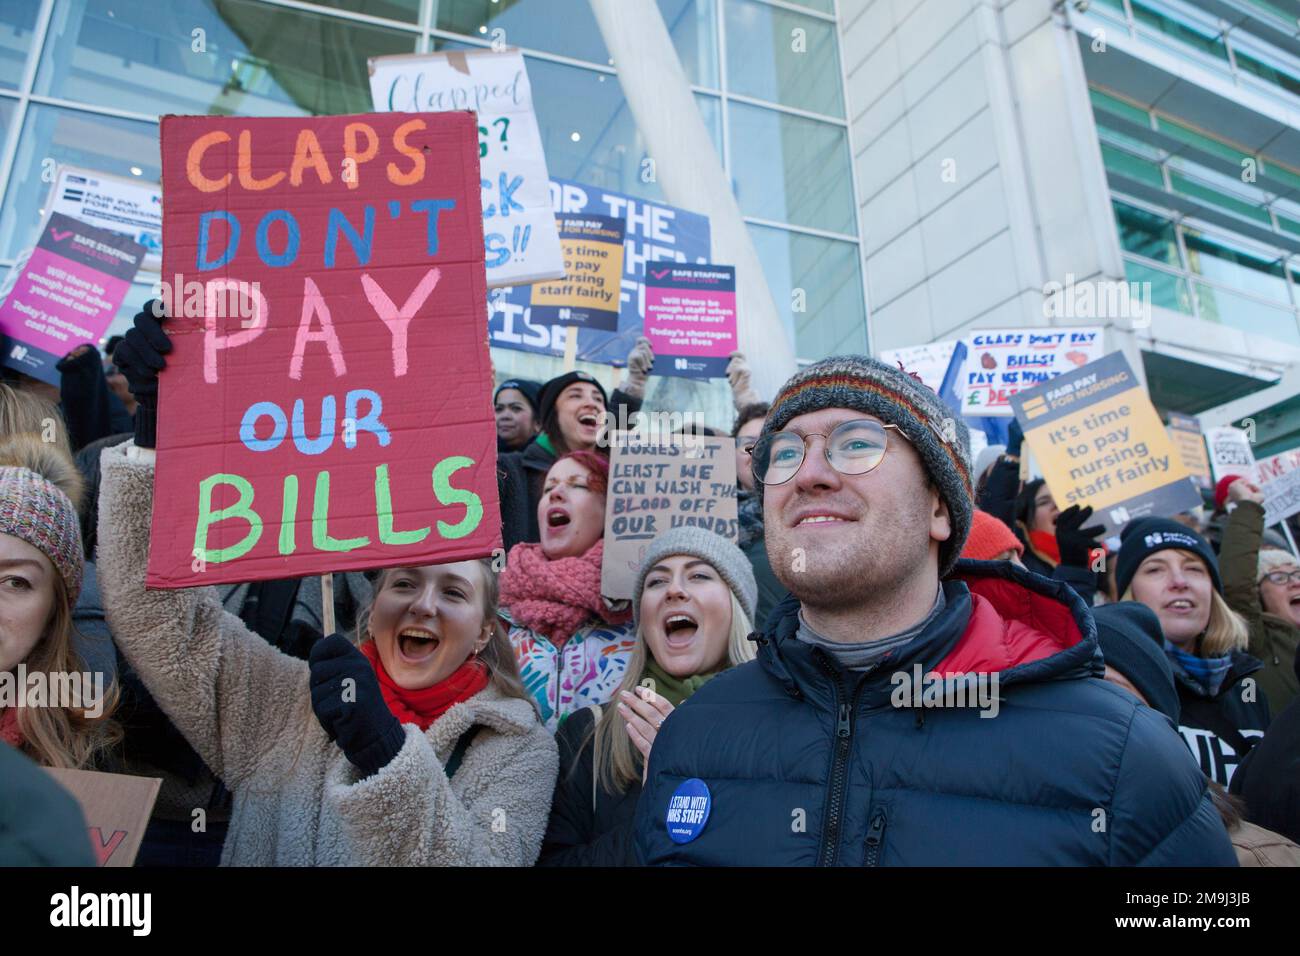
(116,807)
(1099,442)
(690,318)
(522,244)
(588,295)
(70,289)
(657,485)
(929,361)
(1002,362)
(655,233)
(1279,480)
(1230,452)
(327,404)
(121,204)
(1185,433)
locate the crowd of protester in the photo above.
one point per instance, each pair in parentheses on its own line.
(1137,695)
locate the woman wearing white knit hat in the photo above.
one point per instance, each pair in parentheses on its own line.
(694,601)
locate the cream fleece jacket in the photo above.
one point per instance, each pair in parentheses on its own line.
(246,709)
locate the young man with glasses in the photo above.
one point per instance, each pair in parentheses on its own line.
(902,712)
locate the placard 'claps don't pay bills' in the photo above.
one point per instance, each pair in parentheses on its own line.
(1099,442)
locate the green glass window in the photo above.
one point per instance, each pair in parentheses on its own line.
(1135,167)
(75,138)
(1192,34)
(1194,137)
(600,143)
(828,272)
(1249,315)
(233,57)
(1289,224)
(783,57)
(1105,103)
(1277,75)
(567,27)
(1167,291)
(1146,234)
(407,11)
(692,26)
(1215,197)
(1218,260)
(801,175)
(17,23)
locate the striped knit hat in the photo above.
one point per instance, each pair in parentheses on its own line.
(899,398)
(35,510)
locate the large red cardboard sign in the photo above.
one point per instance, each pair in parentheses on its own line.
(327,405)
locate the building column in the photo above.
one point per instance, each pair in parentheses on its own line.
(688,169)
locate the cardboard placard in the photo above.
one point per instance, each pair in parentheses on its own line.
(1100,442)
(588,295)
(1003,362)
(690,318)
(129,207)
(1185,433)
(68,292)
(521,241)
(116,807)
(655,232)
(327,405)
(1279,480)
(929,361)
(1230,452)
(658,485)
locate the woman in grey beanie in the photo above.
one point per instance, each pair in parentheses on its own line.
(693,607)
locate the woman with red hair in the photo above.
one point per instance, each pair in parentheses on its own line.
(571,644)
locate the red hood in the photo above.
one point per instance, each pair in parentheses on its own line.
(1010,624)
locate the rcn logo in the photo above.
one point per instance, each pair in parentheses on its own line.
(19,352)
(682,365)
(1119,515)
(565,313)
(1169,537)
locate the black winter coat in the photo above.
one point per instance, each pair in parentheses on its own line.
(1268,778)
(589,825)
(1222,729)
(810,764)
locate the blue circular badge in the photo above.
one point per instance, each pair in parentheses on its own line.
(688,810)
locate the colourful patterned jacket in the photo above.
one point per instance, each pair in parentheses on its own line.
(587,670)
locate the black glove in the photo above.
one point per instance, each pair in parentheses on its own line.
(139,356)
(1015,438)
(1075,542)
(363,726)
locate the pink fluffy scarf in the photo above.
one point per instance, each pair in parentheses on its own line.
(555,598)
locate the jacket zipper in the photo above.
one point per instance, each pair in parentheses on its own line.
(875,836)
(839,767)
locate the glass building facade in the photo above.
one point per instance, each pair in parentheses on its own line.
(1224,244)
(83,82)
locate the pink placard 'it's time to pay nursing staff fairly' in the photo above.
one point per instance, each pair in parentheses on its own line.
(328,402)
(690,318)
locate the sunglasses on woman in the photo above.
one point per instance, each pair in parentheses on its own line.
(852,448)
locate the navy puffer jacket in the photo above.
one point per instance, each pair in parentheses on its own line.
(810,764)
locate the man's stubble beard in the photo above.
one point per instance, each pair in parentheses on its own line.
(835,578)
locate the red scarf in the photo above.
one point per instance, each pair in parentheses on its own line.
(10,732)
(1044,542)
(422,707)
(555,598)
